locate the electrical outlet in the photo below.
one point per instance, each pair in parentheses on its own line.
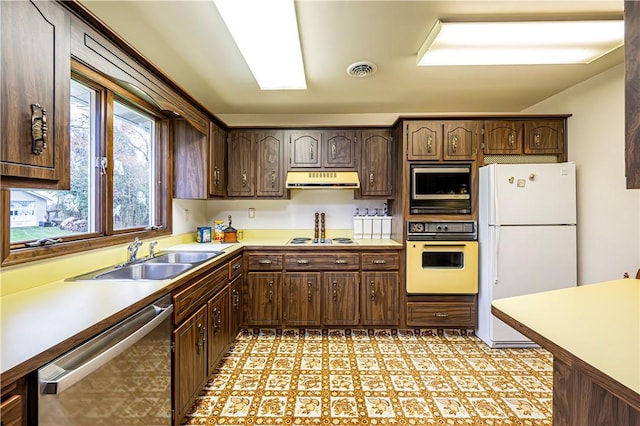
(252,213)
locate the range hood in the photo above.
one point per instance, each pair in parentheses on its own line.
(323,180)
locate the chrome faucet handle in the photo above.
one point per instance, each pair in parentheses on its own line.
(152,249)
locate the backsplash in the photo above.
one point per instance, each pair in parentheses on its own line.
(296,213)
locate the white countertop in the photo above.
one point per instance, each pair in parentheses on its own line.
(597,323)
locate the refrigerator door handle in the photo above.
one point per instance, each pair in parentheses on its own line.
(496,254)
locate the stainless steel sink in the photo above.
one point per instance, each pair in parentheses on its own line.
(184,257)
(162,267)
(145,271)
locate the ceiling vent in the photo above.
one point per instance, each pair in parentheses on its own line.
(362,69)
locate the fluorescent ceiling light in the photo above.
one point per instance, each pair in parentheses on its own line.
(520,43)
(266,32)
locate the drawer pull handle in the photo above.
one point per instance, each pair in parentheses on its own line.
(309,293)
(202,339)
(265,262)
(340,262)
(270,291)
(429,144)
(302,262)
(244,178)
(440,315)
(379,262)
(335,291)
(236,267)
(372,285)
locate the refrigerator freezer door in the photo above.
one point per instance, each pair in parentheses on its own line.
(525,260)
(529,194)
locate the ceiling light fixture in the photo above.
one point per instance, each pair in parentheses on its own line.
(266,32)
(520,43)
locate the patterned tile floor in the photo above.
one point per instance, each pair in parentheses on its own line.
(375,377)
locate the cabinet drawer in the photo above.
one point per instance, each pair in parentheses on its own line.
(11,411)
(264,262)
(198,293)
(235,267)
(444,314)
(319,261)
(380,261)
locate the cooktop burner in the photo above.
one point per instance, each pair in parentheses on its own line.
(307,240)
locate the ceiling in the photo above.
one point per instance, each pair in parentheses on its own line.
(189,42)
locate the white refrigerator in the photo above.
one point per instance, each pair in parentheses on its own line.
(527,239)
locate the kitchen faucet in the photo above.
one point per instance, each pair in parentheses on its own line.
(132,250)
(152,249)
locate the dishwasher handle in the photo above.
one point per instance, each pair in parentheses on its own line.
(62,379)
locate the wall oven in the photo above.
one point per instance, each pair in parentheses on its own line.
(442,257)
(440,189)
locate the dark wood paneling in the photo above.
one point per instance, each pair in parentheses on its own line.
(190,161)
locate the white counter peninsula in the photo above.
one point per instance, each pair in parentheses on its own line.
(593,332)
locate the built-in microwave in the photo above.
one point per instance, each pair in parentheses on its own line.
(440,189)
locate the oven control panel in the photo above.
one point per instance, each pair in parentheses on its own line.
(464,230)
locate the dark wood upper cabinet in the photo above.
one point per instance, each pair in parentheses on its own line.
(424,140)
(339,149)
(269,164)
(304,149)
(240,178)
(36,71)
(632,92)
(503,137)
(461,139)
(190,161)
(544,137)
(377,169)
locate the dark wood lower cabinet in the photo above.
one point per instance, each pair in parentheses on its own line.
(265,298)
(340,298)
(218,310)
(190,361)
(302,300)
(235,307)
(380,298)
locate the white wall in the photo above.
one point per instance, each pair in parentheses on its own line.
(608,213)
(296,213)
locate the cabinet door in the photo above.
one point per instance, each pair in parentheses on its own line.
(217,160)
(461,139)
(218,308)
(544,137)
(236,307)
(240,166)
(503,137)
(376,167)
(265,295)
(340,298)
(190,161)
(380,298)
(270,164)
(424,140)
(190,361)
(304,149)
(302,303)
(36,70)
(339,149)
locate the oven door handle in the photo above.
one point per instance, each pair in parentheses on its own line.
(443,245)
(62,377)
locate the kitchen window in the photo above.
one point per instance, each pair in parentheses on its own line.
(118,168)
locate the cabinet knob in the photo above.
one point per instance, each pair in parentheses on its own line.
(454,143)
(309,292)
(244,178)
(270,291)
(334,150)
(536,139)
(335,291)
(273,178)
(371,178)
(372,286)
(429,144)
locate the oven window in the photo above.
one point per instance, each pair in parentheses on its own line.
(443,259)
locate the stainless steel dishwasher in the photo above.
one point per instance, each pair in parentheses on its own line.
(120,377)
